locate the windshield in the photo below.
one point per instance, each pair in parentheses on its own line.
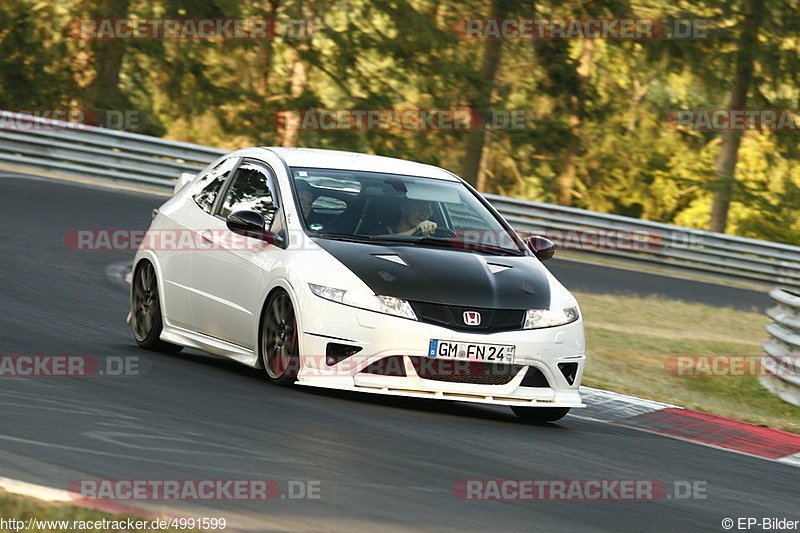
(377,207)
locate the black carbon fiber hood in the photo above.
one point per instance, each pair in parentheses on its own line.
(445,276)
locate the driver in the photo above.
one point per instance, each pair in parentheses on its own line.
(414,218)
(306,195)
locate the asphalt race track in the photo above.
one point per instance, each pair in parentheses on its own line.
(381,463)
(607,280)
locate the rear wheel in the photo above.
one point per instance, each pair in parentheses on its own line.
(146,308)
(279,340)
(534,415)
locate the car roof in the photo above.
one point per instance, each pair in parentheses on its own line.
(340,160)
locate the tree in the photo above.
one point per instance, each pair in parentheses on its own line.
(35,67)
(726,162)
(480,99)
(104,91)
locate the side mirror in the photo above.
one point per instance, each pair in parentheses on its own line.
(542,247)
(183,180)
(251,224)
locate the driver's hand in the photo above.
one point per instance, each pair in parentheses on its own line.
(426,227)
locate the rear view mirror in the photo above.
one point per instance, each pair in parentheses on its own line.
(251,224)
(542,247)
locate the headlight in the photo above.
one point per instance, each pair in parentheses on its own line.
(546,318)
(381,304)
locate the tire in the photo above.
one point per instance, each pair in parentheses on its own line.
(279,343)
(537,415)
(146,310)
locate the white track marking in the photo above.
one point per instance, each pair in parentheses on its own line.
(40,492)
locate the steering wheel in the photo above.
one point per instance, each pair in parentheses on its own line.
(441,231)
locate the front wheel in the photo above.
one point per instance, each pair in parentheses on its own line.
(146,307)
(279,340)
(535,415)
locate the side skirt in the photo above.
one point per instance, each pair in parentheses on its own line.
(193,339)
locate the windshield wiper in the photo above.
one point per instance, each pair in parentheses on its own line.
(459,245)
(356,238)
(338,237)
(469,246)
(430,241)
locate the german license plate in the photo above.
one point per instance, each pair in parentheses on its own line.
(471,351)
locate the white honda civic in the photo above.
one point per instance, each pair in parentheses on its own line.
(361,273)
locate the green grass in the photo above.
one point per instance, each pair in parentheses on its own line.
(22,508)
(629,339)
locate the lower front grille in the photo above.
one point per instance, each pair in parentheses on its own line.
(456,371)
(388,366)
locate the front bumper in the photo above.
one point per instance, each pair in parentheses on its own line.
(383,336)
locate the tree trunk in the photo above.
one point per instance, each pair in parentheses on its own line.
(565,182)
(481,182)
(103,92)
(298,83)
(265,52)
(726,162)
(299,71)
(490,64)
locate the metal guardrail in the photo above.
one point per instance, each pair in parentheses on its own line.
(782,359)
(655,243)
(77,150)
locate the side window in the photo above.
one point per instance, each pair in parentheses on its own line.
(250,189)
(212,182)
